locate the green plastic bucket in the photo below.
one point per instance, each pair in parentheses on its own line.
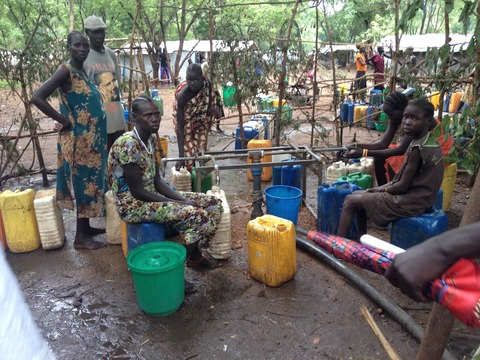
(158,274)
(229,96)
(381,125)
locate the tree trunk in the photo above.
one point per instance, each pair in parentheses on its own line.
(395,54)
(32,126)
(283,74)
(71,25)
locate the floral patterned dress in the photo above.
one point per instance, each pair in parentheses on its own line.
(197,122)
(82,148)
(197,223)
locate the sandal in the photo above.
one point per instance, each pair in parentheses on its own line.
(203,262)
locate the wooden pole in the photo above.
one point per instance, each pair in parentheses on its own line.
(283,74)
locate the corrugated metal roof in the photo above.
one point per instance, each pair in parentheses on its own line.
(420,43)
(193,45)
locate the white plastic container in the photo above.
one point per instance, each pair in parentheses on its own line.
(335,171)
(355,166)
(181,180)
(112,220)
(221,244)
(368,166)
(49,219)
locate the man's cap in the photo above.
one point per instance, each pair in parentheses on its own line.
(94,23)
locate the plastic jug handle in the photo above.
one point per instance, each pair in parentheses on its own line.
(355,175)
(340,183)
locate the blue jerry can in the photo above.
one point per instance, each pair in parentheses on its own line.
(329,206)
(373,113)
(344,111)
(351,111)
(287,174)
(249,133)
(408,232)
(376,97)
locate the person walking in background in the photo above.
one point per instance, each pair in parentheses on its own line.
(164,71)
(82,139)
(361,65)
(193,114)
(102,68)
(378,63)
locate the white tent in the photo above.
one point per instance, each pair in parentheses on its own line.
(420,43)
(190,50)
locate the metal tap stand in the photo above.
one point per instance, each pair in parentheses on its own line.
(303,155)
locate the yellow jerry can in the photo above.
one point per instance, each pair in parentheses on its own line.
(266,171)
(448,183)
(123,228)
(272,257)
(19,220)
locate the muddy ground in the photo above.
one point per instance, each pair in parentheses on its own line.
(85,305)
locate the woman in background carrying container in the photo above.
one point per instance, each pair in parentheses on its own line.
(82,139)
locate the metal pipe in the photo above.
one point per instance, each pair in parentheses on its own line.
(395,311)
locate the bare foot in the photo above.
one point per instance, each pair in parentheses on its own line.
(190,287)
(88,244)
(203,262)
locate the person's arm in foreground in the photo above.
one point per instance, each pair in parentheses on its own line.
(39,97)
(412,270)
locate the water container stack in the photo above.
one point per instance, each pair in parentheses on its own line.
(268,123)
(181,180)
(250,131)
(329,206)
(221,244)
(49,219)
(290,175)
(336,170)
(360,114)
(357,174)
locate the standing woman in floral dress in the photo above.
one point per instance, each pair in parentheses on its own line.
(82,139)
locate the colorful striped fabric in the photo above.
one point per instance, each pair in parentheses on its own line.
(458,289)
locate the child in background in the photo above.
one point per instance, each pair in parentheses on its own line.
(413,189)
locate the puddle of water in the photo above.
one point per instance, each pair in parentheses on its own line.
(61,305)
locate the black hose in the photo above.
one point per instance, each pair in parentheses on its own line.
(395,311)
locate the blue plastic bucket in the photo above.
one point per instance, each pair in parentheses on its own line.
(283,201)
